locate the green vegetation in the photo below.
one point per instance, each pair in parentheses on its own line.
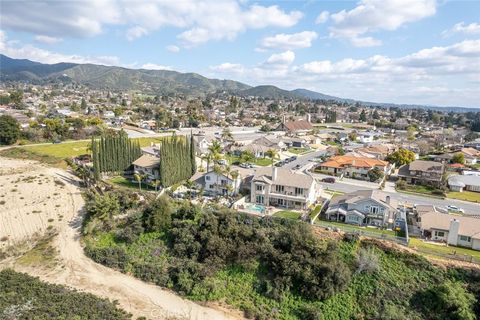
(415,189)
(177,160)
(26,297)
(113,153)
(315,211)
(9,130)
(270,268)
(464,195)
(401,157)
(257,161)
(287,214)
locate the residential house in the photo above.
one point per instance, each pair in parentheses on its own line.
(363,207)
(295,127)
(462,183)
(422,172)
(283,188)
(366,137)
(149,166)
(201,144)
(355,167)
(472,155)
(454,230)
(219,184)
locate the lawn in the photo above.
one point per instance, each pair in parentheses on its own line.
(26,154)
(351,228)
(442,250)
(287,214)
(125,183)
(332,143)
(315,211)
(76,148)
(465,195)
(296,150)
(424,190)
(263,162)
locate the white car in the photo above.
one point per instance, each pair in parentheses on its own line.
(453,208)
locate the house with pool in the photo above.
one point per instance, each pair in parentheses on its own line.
(283,188)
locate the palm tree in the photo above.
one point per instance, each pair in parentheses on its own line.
(234,175)
(247,156)
(138,178)
(208,158)
(218,171)
(272,154)
(227,134)
(156,184)
(215,147)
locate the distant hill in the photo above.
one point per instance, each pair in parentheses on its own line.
(160,82)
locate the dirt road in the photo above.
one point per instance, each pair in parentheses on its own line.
(76,270)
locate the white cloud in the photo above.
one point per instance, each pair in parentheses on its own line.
(290,41)
(173,48)
(14,49)
(284,58)
(60,18)
(322,17)
(229,68)
(439,75)
(365,42)
(471,29)
(135,32)
(47,39)
(153,66)
(374,15)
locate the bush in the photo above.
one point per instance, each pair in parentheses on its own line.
(367,260)
(113,257)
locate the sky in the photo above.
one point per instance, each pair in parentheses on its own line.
(400,51)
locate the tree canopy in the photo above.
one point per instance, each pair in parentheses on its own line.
(9,130)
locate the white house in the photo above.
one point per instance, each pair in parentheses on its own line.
(454,230)
(366,137)
(149,166)
(464,183)
(283,188)
(220,184)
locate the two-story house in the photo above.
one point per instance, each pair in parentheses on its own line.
(422,172)
(351,166)
(147,166)
(220,184)
(363,207)
(283,188)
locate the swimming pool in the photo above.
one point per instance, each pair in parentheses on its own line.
(256,207)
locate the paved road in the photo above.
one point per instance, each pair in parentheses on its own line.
(304,160)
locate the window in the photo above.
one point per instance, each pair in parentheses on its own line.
(207,178)
(279,189)
(259,199)
(298,191)
(465,238)
(440,234)
(259,187)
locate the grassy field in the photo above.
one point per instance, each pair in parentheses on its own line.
(424,190)
(442,250)
(287,214)
(298,150)
(258,161)
(465,195)
(350,228)
(25,154)
(75,148)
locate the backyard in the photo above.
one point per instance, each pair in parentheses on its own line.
(287,214)
(257,161)
(125,183)
(465,195)
(353,228)
(444,251)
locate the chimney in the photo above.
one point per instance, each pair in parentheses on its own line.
(274,173)
(387,199)
(453,232)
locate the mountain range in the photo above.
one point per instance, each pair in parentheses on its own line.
(162,82)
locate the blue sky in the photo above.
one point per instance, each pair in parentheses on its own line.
(402,51)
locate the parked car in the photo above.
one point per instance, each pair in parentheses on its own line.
(456,209)
(293,158)
(328,180)
(298,166)
(246,165)
(222,162)
(279,164)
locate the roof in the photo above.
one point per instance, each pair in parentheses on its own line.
(350,161)
(464,180)
(285,177)
(361,195)
(147,161)
(469,226)
(426,166)
(471,152)
(298,125)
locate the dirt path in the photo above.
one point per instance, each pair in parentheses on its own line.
(76,270)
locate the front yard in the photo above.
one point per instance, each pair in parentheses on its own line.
(424,190)
(263,162)
(465,195)
(296,150)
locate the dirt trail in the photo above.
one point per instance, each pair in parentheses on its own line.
(78,271)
